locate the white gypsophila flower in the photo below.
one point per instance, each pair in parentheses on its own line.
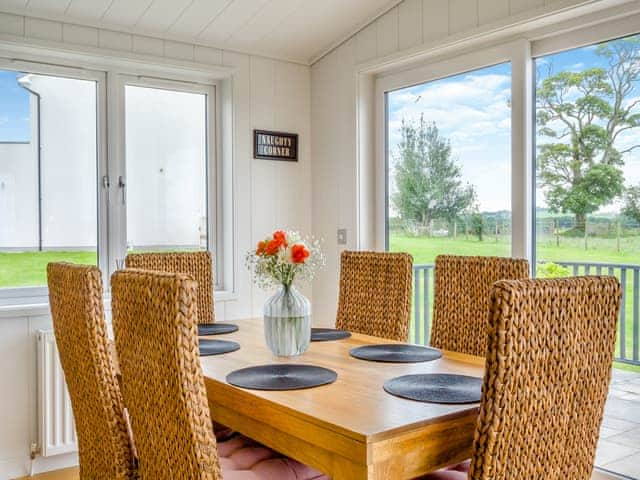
(284,257)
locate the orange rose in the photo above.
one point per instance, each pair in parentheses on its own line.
(299,253)
(261,247)
(272,247)
(278,240)
(281,237)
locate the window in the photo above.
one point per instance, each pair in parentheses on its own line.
(552,136)
(48,179)
(448,172)
(166,169)
(449,165)
(62,199)
(587,203)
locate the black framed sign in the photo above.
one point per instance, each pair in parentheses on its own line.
(269,145)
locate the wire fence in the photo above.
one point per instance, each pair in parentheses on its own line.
(614,230)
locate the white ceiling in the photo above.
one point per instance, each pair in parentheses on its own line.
(298,30)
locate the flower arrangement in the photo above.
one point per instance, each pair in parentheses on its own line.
(282,257)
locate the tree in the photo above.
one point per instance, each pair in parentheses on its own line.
(631,207)
(477,224)
(427,180)
(583,114)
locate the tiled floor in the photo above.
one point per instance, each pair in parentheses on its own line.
(619,446)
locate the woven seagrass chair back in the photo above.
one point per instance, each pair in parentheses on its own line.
(375,294)
(162,379)
(551,346)
(461,299)
(198,265)
(75,297)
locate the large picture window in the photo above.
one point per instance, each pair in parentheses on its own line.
(587,204)
(535,157)
(449,165)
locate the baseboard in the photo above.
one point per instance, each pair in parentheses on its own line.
(19,467)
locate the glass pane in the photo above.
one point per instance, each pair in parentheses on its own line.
(166,158)
(449,157)
(588,204)
(48,175)
(449,174)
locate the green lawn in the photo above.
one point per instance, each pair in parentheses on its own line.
(28,269)
(424,251)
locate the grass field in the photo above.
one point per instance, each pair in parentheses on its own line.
(28,269)
(424,251)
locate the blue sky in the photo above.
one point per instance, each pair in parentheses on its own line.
(472,111)
(14,109)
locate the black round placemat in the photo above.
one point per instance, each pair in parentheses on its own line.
(281,376)
(216,347)
(328,334)
(436,388)
(395,353)
(216,328)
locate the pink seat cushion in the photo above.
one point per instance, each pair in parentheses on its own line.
(456,472)
(243,459)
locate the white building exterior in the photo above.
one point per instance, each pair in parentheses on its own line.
(165,155)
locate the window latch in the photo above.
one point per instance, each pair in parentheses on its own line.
(123,189)
(106,184)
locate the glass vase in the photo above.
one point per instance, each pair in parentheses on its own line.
(287,322)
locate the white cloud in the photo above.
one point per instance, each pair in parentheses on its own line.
(473,112)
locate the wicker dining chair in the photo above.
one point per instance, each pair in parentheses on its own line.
(549,358)
(105,447)
(199,266)
(375,294)
(164,388)
(461,299)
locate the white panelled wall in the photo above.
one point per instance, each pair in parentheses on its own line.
(267,94)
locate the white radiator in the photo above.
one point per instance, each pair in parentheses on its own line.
(56,430)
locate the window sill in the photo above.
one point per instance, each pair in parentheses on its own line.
(38,305)
(224,295)
(24,310)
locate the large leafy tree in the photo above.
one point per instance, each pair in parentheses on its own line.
(582,115)
(428,182)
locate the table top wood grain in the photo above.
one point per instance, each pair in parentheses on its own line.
(349,429)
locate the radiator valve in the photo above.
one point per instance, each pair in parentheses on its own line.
(34,450)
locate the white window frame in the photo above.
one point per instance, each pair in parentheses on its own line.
(563,41)
(520,50)
(111,74)
(39,294)
(213,166)
(516,53)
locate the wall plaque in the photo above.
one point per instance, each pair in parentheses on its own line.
(275,145)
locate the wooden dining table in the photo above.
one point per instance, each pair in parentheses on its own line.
(351,429)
